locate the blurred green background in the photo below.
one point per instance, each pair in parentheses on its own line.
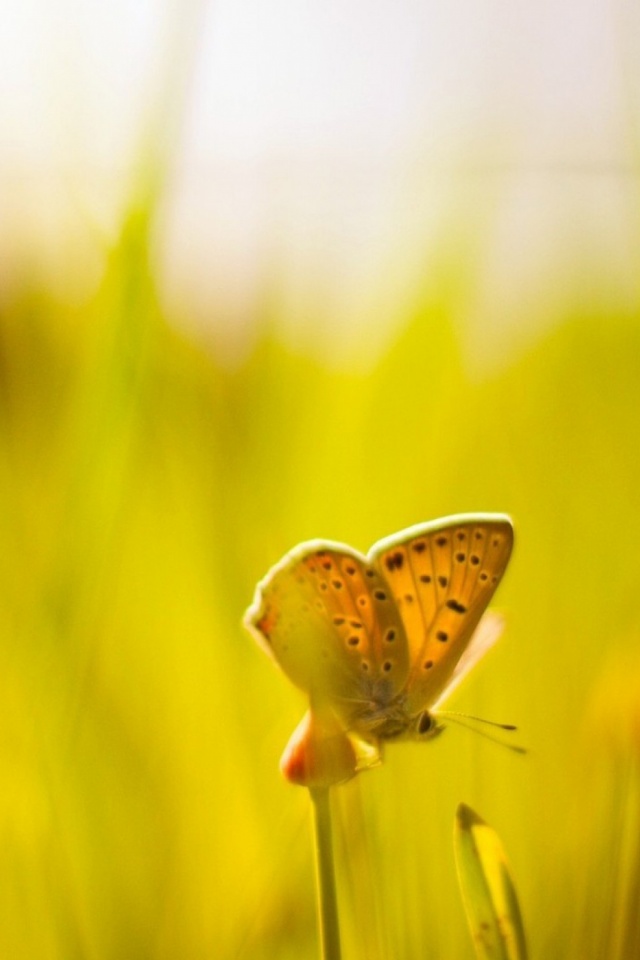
(147,483)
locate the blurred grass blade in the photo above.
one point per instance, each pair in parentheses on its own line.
(488,890)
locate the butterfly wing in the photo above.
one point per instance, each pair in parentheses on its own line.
(326,616)
(488,631)
(442,575)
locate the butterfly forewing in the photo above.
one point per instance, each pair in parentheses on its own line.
(483,638)
(328,618)
(442,576)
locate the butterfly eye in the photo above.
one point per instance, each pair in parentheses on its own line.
(427,726)
(425,723)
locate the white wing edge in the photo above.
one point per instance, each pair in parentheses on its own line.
(436,526)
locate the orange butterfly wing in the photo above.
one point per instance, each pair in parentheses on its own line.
(326,616)
(442,576)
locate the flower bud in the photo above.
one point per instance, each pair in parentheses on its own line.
(320,753)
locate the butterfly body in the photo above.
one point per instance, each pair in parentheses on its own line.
(382,638)
(382,714)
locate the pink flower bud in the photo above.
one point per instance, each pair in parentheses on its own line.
(319,753)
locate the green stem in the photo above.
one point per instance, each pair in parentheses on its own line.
(326,877)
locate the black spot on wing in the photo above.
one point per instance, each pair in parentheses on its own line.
(456,606)
(394,561)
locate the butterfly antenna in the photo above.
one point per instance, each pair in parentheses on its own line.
(461,718)
(471,716)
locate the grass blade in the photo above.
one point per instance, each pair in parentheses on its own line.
(488,890)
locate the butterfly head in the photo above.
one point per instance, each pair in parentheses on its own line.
(425,726)
(397,725)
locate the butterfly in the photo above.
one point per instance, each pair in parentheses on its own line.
(381,640)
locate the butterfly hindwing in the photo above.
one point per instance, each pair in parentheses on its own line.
(442,576)
(328,619)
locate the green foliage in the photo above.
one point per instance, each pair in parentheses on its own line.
(145,487)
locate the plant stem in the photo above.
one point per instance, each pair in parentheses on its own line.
(326,878)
